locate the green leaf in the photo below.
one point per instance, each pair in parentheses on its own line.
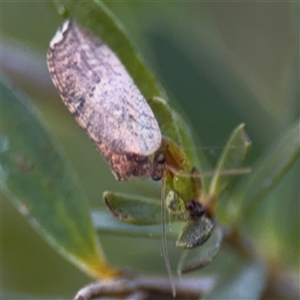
(268,171)
(38,179)
(166,119)
(136,210)
(195,154)
(174,126)
(195,259)
(95,16)
(231,158)
(246,282)
(195,233)
(106,223)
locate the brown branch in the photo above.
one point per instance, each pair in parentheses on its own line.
(147,287)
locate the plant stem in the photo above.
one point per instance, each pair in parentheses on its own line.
(146,287)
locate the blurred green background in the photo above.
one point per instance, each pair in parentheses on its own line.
(220,63)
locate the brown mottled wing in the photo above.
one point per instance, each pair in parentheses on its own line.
(99,92)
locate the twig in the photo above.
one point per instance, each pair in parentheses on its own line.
(144,287)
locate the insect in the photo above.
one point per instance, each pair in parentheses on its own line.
(101,95)
(104,100)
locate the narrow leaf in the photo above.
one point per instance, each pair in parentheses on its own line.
(38,179)
(174,126)
(167,122)
(106,223)
(195,233)
(195,154)
(231,158)
(268,171)
(195,259)
(136,210)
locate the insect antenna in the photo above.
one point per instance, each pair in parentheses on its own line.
(164,238)
(209,173)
